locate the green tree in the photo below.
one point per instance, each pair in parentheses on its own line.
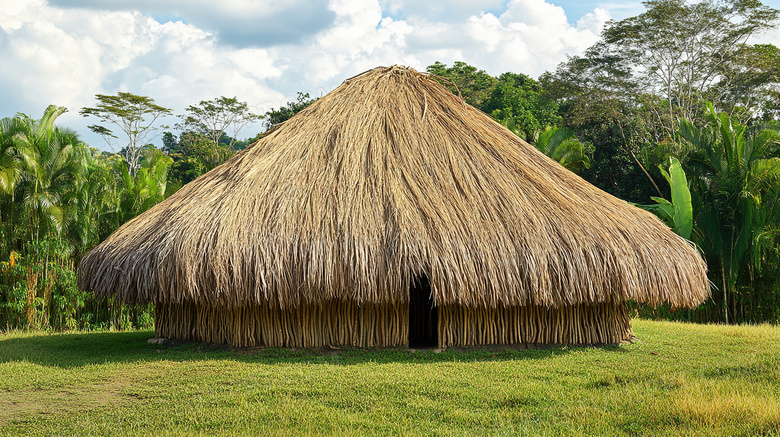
(736,179)
(671,57)
(93,195)
(48,175)
(561,145)
(39,213)
(284,113)
(464,80)
(148,187)
(621,162)
(170,143)
(14,158)
(626,93)
(9,156)
(518,99)
(750,83)
(764,270)
(136,116)
(64,198)
(205,153)
(218,118)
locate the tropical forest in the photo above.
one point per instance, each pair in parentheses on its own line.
(675,110)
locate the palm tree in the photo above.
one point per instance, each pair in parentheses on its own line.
(49,173)
(9,159)
(93,194)
(37,213)
(147,188)
(733,176)
(560,144)
(764,270)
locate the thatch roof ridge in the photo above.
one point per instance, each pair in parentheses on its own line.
(387,177)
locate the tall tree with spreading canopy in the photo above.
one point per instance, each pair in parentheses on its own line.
(627,93)
(217,117)
(136,116)
(673,56)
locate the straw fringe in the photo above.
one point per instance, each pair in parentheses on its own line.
(578,324)
(343,323)
(388,177)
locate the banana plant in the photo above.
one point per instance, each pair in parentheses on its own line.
(147,188)
(677,213)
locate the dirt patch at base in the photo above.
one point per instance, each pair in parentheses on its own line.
(18,405)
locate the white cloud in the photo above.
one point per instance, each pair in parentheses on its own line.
(533,13)
(594,21)
(360,39)
(45,62)
(449,11)
(65,55)
(239,23)
(769,37)
(530,37)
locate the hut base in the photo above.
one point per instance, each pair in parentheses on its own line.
(578,324)
(333,323)
(343,323)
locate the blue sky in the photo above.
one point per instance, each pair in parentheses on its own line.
(182,51)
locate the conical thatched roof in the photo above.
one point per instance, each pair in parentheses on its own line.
(388,177)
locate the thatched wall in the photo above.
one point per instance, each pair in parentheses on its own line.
(330,323)
(342,323)
(577,324)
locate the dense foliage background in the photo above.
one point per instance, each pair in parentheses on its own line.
(673,110)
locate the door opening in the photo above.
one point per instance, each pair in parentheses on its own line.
(423,314)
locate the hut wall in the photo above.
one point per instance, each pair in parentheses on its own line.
(344,323)
(335,322)
(578,324)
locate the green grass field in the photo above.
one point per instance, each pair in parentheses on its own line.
(681,379)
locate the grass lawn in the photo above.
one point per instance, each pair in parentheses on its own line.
(681,379)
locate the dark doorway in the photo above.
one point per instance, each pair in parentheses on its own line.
(423,315)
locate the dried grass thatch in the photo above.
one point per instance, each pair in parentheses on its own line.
(337,322)
(386,178)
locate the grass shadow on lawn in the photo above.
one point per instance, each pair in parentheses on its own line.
(70,350)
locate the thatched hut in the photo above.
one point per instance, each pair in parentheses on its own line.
(391,213)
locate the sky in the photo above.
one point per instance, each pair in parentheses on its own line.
(180,52)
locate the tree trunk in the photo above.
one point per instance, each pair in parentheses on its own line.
(734,312)
(725,294)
